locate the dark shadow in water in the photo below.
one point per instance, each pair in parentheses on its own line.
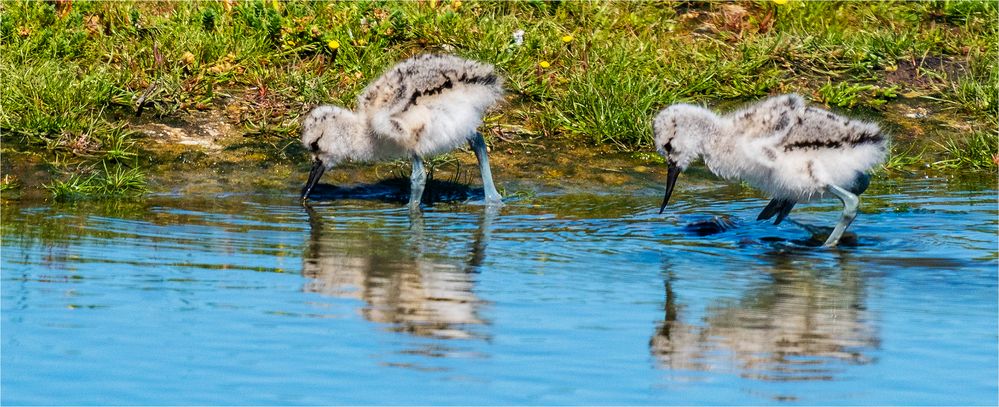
(396,190)
(814,241)
(797,325)
(712,226)
(403,280)
(817,234)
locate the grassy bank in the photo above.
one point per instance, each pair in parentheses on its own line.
(76,74)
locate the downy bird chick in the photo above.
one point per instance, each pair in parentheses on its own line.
(425,105)
(781,146)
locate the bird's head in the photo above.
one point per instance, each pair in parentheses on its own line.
(330,134)
(680,132)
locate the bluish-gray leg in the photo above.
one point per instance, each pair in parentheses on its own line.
(478,145)
(416,183)
(850,204)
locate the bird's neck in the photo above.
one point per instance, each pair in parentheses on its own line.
(352,139)
(362,142)
(723,153)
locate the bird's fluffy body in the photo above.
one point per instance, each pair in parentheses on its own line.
(779,145)
(424,105)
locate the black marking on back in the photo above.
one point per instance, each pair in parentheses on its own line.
(782,122)
(314,147)
(853,140)
(867,137)
(771,154)
(400,91)
(812,144)
(486,80)
(448,84)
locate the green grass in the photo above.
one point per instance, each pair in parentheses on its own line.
(118,181)
(74,74)
(979,151)
(977,91)
(845,94)
(8,184)
(901,159)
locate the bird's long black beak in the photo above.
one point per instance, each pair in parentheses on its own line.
(673,171)
(317,172)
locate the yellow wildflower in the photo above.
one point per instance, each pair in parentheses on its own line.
(333,44)
(544,64)
(567,38)
(780,2)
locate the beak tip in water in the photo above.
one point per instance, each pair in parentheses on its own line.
(317,172)
(671,176)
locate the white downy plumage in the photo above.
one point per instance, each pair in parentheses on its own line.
(425,105)
(780,146)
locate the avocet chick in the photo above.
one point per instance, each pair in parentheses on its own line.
(780,146)
(425,105)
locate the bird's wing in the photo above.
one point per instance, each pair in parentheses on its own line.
(769,118)
(819,129)
(424,76)
(762,125)
(418,79)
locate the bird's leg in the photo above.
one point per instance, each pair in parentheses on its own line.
(416,183)
(478,144)
(850,204)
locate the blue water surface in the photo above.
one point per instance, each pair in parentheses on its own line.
(560,298)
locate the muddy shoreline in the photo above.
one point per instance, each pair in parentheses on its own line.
(210,152)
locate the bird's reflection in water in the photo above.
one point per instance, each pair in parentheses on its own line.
(402,277)
(795,326)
